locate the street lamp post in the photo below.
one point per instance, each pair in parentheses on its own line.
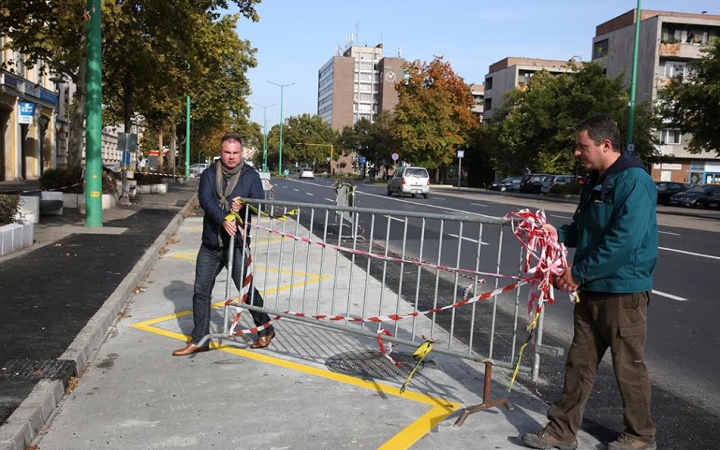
(265,107)
(633,79)
(282,88)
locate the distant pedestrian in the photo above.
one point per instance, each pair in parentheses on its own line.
(372,172)
(222,186)
(615,231)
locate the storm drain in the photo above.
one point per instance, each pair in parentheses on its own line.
(373,364)
(37,369)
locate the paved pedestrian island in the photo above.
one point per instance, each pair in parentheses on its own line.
(312,388)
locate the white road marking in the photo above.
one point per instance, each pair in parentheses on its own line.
(560,217)
(310,194)
(668,232)
(332,200)
(433,206)
(670,296)
(395,218)
(478,204)
(296,190)
(689,253)
(468,239)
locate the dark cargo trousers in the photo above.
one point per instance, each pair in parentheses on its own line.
(602,321)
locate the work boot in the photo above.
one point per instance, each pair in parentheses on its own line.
(629,442)
(543,439)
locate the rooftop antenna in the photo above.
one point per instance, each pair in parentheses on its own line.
(399,52)
(357,31)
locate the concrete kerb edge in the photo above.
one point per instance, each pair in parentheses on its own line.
(22,426)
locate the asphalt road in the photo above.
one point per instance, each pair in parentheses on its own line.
(682,329)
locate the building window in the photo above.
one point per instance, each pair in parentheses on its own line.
(488,104)
(600,49)
(674,69)
(670,136)
(488,83)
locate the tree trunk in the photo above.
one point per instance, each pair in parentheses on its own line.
(77,123)
(160,160)
(173,148)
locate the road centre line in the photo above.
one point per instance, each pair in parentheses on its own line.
(468,239)
(332,200)
(478,204)
(395,218)
(310,194)
(669,232)
(689,253)
(670,296)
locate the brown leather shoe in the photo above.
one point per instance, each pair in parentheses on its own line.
(189,350)
(263,341)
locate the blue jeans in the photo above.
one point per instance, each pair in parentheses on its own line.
(209,264)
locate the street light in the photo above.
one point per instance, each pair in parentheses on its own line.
(282,88)
(43,122)
(264,107)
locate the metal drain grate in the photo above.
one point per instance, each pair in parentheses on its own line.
(373,364)
(37,369)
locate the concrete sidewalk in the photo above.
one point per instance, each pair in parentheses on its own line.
(297,393)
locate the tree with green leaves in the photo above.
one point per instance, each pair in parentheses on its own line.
(692,103)
(147,49)
(535,128)
(306,141)
(433,117)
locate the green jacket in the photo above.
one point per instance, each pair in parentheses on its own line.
(615,230)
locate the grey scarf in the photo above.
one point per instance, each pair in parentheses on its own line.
(233,176)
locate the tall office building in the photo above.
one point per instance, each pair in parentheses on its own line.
(357,84)
(668,41)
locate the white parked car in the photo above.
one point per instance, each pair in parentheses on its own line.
(409,180)
(197,169)
(306,173)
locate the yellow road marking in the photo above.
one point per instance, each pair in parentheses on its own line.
(441,408)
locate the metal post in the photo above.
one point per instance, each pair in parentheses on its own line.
(633,79)
(187,140)
(459,171)
(265,133)
(93,131)
(282,88)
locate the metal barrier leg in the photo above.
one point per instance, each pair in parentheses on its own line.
(487,402)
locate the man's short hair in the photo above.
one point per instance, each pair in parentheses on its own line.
(600,127)
(231,137)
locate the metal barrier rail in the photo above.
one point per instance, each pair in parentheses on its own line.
(384,267)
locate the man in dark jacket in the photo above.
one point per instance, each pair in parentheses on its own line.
(222,186)
(615,231)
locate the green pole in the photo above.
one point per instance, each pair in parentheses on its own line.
(93,130)
(187,140)
(282,87)
(264,139)
(633,80)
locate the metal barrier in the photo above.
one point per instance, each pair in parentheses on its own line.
(386,267)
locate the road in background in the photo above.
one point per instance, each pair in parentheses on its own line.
(682,331)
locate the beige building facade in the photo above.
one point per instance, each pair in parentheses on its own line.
(668,41)
(514,73)
(357,84)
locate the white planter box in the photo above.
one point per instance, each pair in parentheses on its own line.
(15,237)
(161,188)
(56,207)
(78,201)
(29,209)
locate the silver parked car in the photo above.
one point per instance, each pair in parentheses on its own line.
(197,169)
(552,180)
(409,180)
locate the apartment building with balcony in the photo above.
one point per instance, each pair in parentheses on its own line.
(478,94)
(357,84)
(667,42)
(514,73)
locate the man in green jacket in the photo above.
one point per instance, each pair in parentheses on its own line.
(615,231)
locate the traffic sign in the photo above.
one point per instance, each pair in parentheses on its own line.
(395,156)
(362,160)
(461,153)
